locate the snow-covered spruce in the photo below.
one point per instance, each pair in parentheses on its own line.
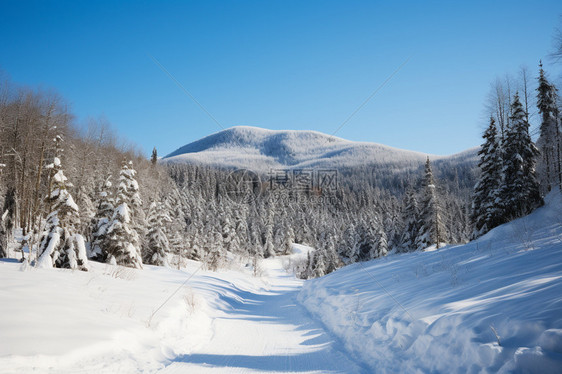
(486,207)
(432,230)
(61,245)
(411,219)
(122,241)
(101,221)
(157,246)
(520,194)
(549,142)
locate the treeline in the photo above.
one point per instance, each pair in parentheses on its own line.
(358,221)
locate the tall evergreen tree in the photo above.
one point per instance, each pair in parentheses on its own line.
(87,212)
(521,189)
(411,220)
(61,245)
(486,207)
(122,241)
(100,223)
(269,250)
(157,245)
(154,156)
(550,136)
(431,230)
(381,244)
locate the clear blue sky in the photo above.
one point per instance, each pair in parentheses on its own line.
(278,64)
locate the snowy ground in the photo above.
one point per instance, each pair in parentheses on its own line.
(492,305)
(58,321)
(440,311)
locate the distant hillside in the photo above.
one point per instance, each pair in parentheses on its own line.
(261,150)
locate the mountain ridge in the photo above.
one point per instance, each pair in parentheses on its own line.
(264,149)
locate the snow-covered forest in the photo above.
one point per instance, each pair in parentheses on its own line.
(74,194)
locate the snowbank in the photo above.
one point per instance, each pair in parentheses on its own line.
(492,305)
(63,321)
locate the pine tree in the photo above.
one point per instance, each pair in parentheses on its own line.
(215,253)
(177,229)
(521,189)
(87,212)
(332,261)
(61,246)
(318,264)
(288,239)
(268,245)
(157,246)
(550,136)
(122,240)
(154,156)
(486,206)
(431,225)
(129,186)
(100,223)
(350,243)
(411,221)
(381,243)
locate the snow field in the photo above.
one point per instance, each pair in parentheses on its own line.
(493,305)
(103,321)
(62,321)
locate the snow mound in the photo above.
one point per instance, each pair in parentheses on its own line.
(493,305)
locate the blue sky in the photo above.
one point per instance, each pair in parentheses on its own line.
(278,64)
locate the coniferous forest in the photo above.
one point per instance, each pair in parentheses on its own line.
(73,193)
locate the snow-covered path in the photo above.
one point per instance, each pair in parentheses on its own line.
(262,329)
(104,321)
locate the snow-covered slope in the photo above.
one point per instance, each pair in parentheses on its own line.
(492,305)
(261,150)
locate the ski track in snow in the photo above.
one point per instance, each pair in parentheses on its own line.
(264,331)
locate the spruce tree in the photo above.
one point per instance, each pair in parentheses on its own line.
(550,137)
(100,223)
(431,230)
(157,245)
(318,264)
(332,261)
(486,207)
(61,245)
(411,221)
(288,239)
(381,243)
(122,240)
(521,189)
(269,250)
(154,156)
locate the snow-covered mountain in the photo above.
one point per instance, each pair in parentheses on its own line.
(261,150)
